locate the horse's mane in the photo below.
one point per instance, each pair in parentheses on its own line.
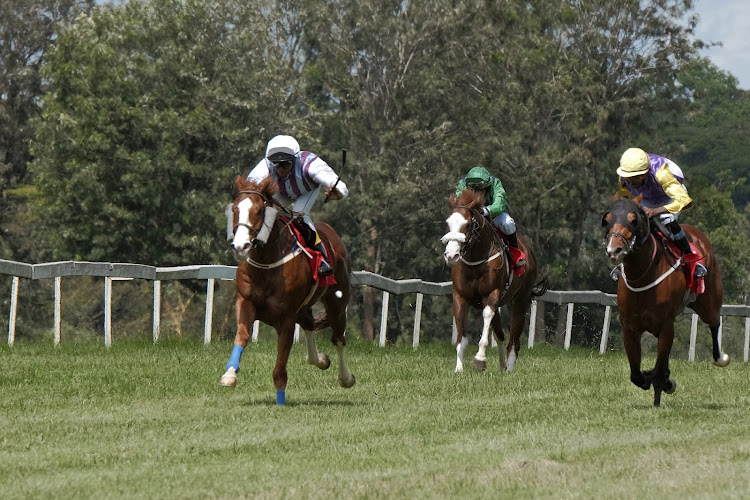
(267,186)
(468,198)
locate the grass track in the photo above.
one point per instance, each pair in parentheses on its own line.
(150,421)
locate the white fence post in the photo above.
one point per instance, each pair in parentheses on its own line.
(532,324)
(605,330)
(209,311)
(107,311)
(384,319)
(454,333)
(569,326)
(417,321)
(256,326)
(14,309)
(747,338)
(157,310)
(58,298)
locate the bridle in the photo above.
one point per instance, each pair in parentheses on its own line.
(632,243)
(248,226)
(478,223)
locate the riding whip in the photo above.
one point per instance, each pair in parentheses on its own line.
(343,162)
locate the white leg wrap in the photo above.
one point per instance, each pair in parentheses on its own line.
(460,350)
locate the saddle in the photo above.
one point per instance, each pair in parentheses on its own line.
(303,235)
(688,263)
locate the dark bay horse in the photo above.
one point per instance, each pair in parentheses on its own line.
(275,284)
(652,290)
(483,278)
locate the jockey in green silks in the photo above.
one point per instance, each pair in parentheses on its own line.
(496,203)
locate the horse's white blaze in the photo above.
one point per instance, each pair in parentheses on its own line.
(614,257)
(460,350)
(455,238)
(511,360)
(487,313)
(242,234)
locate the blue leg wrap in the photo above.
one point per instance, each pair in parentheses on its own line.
(234,359)
(280,397)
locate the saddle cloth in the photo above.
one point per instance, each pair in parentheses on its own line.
(689,261)
(316,259)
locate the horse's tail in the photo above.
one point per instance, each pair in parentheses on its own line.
(541,286)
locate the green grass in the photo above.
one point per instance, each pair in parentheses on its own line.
(150,421)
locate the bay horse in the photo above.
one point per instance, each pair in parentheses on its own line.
(275,284)
(650,294)
(483,278)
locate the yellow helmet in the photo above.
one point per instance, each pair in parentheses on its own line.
(634,161)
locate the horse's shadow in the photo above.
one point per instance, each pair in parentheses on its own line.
(316,403)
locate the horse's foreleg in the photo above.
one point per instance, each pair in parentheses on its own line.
(460,313)
(337,315)
(346,378)
(284,346)
(245,318)
(632,343)
(720,358)
(480,360)
(315,358)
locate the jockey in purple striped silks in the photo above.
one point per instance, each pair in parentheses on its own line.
(299,175)
(661,183)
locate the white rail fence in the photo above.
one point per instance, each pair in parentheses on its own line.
(118,271)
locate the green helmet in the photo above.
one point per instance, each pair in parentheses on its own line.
(478,177)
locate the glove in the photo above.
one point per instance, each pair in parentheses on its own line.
(485,211)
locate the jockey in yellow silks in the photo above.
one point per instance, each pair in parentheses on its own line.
(661,183)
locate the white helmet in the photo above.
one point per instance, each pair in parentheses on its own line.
(282,148)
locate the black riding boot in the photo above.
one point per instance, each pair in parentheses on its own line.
(325,268)
(681,240)
(513,241)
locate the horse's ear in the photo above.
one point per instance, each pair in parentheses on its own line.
(605,222)
(616,197)
(638,199)
(238,182)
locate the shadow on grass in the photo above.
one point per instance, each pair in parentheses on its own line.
(293,403)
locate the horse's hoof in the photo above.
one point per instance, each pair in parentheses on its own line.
(229,379)
(478,365)
(348,384)
(325,362)
(723,360)
(671,387)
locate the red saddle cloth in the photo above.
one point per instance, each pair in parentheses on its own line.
(315,261)
(514,254)
(689,261)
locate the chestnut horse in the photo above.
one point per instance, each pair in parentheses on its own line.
(483,278)
(652,290)
(275,284)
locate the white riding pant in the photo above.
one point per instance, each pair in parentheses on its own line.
(505,222)
(302,205)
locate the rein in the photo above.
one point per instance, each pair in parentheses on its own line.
(468,241)
(651,263)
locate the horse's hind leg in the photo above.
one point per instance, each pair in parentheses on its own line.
(720,358)
(517,321)
(337,317)
(497,327)
(321,360)
(661,379)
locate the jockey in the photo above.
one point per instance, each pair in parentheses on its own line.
(299,175)
(660,181)
(496,203)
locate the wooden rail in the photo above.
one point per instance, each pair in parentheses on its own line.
(119,271)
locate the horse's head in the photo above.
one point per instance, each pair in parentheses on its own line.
(626,228)
(253,215)
(464,224)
